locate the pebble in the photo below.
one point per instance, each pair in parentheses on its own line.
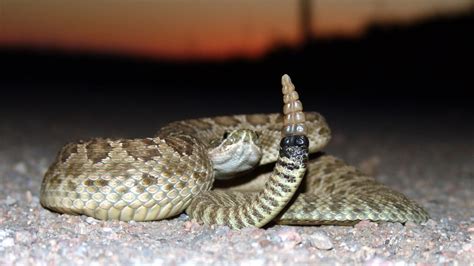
(21,168)
(82,229)
(365,224)
(222,230)
(4,233)
(289,237)
(252,231)
(411,225)
(31,235)
(431,223)
(378,262)
(320,240)
(264,243)
(28,196)
(365,253)
(10,201)
(253,262)
(191,225)
(468,247)
(91,220)
(7,242)
(24,237)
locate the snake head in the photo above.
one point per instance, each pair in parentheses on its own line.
(237,152)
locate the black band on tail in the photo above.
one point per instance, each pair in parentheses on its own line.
(294,145)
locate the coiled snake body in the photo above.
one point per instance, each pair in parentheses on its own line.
(162,176)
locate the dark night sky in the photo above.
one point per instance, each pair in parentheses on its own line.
(398,71)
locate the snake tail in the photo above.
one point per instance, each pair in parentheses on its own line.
(238,210)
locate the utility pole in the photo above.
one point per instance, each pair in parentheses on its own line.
(305,21)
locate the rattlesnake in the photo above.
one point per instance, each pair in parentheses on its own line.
(159,177)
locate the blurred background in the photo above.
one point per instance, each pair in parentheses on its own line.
(126,62)
(393,78)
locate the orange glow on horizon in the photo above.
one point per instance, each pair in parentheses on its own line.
(186,29)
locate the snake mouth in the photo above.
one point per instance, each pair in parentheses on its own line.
(238,153)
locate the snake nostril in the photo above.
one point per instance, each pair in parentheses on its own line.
(226,134)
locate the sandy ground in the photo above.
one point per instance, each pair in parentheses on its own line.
(434,168)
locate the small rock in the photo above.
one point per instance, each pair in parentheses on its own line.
(7,242)
(20,168)
(4,233)
(254,232)
(365,253)
(29,197)
(289,234)
(24,237)
(90,220)
(264,243)
(320,240)
(10,201)
(255,262)
(289,237)
(222,230)
(377,262)
(431,223)
(410,225)
(82,229)
(365,224)
(107,229)
(468,247)
(191,226)
(183,217)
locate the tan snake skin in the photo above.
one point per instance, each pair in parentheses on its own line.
(160,177)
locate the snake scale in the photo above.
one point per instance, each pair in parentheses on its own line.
(174,171)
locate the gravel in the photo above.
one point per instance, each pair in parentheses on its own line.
(435,169)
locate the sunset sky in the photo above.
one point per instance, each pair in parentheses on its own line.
(190,28)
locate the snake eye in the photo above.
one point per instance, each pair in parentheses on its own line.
(226,134)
